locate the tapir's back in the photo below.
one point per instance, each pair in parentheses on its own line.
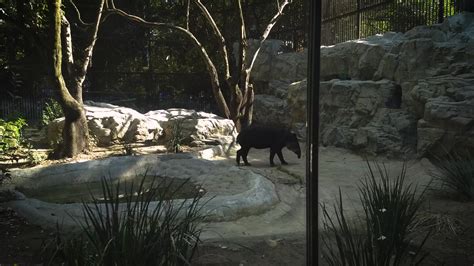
(261,137)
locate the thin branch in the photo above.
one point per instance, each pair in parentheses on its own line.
(78,13)
(219,35)
(88,53)
(187,14)
(210,66)
(66,33)
(242,44)
(265,34)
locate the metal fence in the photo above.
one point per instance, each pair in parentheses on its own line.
(32,108)
(344,20)
(142,91)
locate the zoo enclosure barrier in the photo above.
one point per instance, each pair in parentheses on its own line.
(151,91)
(344,20)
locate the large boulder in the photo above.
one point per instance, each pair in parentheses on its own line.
(448,122)
(285,107)
(198,128)
(276,60)
(110,124)
(366,116)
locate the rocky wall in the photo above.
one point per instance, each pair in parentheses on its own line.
(396,94)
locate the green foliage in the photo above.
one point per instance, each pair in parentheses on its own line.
(176,139)
(51,111)
(13,146)
(35,158)
(10,135)
(145,231)
(455,171)
(390,208)
(128,149)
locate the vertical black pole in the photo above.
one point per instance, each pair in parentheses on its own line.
(440,11)
(312,244)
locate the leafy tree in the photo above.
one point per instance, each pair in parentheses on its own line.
(23,38)
(32,22)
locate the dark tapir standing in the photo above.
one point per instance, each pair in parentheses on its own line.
(266,137)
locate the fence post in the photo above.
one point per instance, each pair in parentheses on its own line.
(440,11)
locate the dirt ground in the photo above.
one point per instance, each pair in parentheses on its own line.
(22,243)
(451,242)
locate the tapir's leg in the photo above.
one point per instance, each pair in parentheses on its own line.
(245,152)
(237,158)
(272,155)
(280,156)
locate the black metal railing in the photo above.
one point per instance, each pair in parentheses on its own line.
(345,20)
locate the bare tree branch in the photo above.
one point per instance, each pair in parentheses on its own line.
(242,43)
(187,14)
(265,34)
(79,14)
(209,64)
(218,34)
(66,34)
(88,54)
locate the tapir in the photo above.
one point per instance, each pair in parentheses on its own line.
(261,137)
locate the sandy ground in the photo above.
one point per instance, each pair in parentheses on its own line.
(277,237)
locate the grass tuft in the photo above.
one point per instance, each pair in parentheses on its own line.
(141,231)
(382,236)
(455,171)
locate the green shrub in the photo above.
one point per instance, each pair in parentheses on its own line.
(10,134)
(140,234)
(176,140)
(51,111)
(11,138)
(382,237)
(128,149)
(36,158)
(455,171)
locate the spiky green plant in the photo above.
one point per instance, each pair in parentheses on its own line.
(382,237)
(145,230)
(455,171)
(342,241)
(176,140)
(390,207)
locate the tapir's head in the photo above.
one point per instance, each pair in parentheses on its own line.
(293,145)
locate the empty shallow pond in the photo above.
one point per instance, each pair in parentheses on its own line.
(54,193)
(167,189)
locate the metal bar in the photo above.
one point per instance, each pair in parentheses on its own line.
(312,158)
(355,11)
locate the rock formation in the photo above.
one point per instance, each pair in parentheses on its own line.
(395,94)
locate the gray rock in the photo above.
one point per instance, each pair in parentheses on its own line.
(270,110)
(296,102)
(109,124)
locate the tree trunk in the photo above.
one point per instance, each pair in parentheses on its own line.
(75,132)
